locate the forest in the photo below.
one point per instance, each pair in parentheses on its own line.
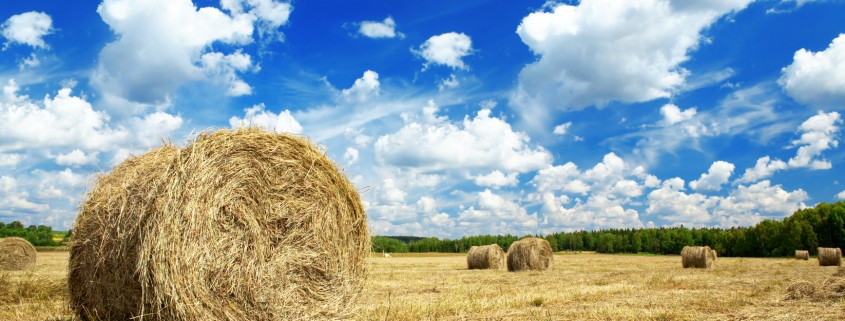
(806,229)
(40,235)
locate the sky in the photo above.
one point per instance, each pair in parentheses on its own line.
(452,118)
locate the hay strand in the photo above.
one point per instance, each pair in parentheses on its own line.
(830,256)
(238,225)
(802,255)
(486,257)
(530,254)
(16,254)
(701,257)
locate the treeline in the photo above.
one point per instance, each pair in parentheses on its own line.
(806,229)
(40,235)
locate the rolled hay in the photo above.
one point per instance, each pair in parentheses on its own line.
(486,257)
(530,254)
(16,254)
(830,256)
(238,225)
(802,255)
(715,254)
(697,257)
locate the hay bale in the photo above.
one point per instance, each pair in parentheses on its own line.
(697,257)
(530,254)
(16,254)
(238,225)
(486,257)
(802,255)
(715,254)
(829,256)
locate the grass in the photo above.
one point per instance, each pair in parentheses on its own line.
(579,286)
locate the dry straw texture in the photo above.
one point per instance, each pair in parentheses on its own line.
(829,256)
(530,254)
(16,254)
(486,257)
(802,255)
(238,225)
(697,257)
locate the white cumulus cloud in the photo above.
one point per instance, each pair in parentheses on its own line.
(497,179)
(447,49)
(379,29)
(606,50)
(364,88)
(258,116)
(483,142)
(817,78)
(718,174)
(162,44)
(28,28)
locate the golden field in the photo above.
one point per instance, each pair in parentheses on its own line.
(579,286)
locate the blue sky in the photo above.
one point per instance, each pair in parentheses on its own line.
(452,118)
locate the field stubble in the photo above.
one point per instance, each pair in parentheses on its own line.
(578,286)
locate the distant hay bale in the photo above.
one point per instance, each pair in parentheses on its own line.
(530,254)
(16,254)
(486,257)
(802,255)
(829,256)
(715,254)
(238,225)
(697,257)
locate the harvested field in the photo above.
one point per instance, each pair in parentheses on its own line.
(578,286)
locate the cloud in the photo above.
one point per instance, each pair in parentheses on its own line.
(670,203)
(60,121)
(364,88)
(27,29)
(76,158)
(817,78)
(497,179)
(601,51)
(750,112)
(162,44)
(268,15)
(258,116)
(10,159)
(562,129)
(224,68)
(351,156)
(818,134)
(716,176)
(496,214)
(447,49)
(765,167)
(841,195)
(673,115)
(479,143)
(379,29)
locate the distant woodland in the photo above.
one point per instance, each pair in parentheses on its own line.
(823,225)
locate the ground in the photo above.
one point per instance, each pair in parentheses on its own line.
(579,286)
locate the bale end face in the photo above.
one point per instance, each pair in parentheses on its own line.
(16,254)
(279,231)
(530,254)
(829,256)
(486,257)
(700,257)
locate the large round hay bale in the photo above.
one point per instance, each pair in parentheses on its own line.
(238,225)
(697,257)
(830,256)
(802,255)
(530,254)
(16,254)
(486,257)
